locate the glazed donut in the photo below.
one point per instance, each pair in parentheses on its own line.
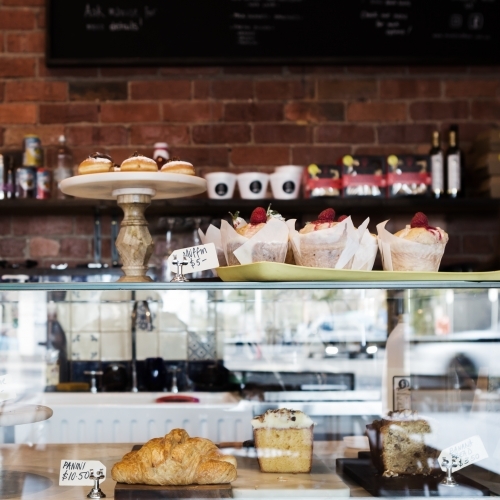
(96,164)
(176,166)
(138,163)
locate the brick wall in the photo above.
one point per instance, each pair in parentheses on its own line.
(233,117)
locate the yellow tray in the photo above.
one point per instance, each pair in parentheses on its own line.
(272,271)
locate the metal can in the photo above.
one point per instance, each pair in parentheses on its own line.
(43,183)
(33,154)
(25,182)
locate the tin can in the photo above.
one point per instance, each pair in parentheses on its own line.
(43,183)
(25,182)
(33,154)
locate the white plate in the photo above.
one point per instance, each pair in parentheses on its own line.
(101,186)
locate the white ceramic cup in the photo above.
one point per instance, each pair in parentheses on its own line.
(220,185)
(286,185)
(290,168)
(253,185)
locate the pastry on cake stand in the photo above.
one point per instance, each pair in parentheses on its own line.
(133,192)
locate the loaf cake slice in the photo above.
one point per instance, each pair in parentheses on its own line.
(283,441)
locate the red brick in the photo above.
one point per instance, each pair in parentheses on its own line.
(290,134)
(48,134)
(128,71)
(345,134)
(376,112)
(17,67)
(253,112)
(10,247)
(84,225)
(221,134)
(36,91)
(25,42)
(384,150)
(42,225)
(99,135)
(405,89)
(439,110)
(252,70)
(106,249)
(2,91)
(11,19)
(316,70)
(347,89)
(129,112)
(202,89)
(168,89)
(5,226)
(40,19)
(192,111)
(468,130)
(190,70)
(44,71)
(376,70)
(437,70)
(2,131)
(477,244)
(17,113)
(1,43)
(311,112)
(472,88)
(283,89)
(260,155)
(68,113)
(394,134)
(24,3)
(232,89)
(97,91)
(203,156)
(485,110)
(43,247)
(303,155)
(149,134)
(77,248)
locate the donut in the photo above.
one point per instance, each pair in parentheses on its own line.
(96,164)
(138,163)
(176,166)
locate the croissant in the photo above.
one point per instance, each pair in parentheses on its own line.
(175,459)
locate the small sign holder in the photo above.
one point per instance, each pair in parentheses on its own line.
(179,275)
(96,491)
(449,480)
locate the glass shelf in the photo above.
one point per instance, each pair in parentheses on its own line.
(261,285)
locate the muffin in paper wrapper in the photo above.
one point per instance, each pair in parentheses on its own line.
(333,248)
(213,235)
(399,254)
(270,244)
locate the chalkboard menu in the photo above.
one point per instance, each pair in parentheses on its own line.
(163,32)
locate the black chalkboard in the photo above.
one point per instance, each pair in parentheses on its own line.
(163,32)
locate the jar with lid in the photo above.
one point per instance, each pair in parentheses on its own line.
(161,154)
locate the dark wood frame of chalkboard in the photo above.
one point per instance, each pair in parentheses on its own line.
(454,58)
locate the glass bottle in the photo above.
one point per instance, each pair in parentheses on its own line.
(437,166)
(453,167)
(63,167)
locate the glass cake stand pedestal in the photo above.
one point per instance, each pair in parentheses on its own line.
(133,192)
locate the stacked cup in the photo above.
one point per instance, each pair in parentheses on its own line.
(286,182)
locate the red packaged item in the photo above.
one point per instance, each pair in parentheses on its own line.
(364,176)
(322,180)
(408,175)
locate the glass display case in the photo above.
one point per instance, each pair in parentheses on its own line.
(90,370)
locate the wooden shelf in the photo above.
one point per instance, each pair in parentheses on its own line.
(200,206)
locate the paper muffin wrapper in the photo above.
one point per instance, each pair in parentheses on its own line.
(332,248)
(270,244)
(365,256)
(399,254)
(213,235)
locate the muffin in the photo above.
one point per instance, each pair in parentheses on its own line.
(283,441)
(138,163)
(417,247)
(95,164)
(397,444)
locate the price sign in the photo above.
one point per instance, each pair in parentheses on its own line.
(198,258)
(6,388)
(77,472)
(462,454)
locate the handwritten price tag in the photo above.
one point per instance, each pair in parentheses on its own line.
(462,454)
(6,388)
(77,472)
(198,258)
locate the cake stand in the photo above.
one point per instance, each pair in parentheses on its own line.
(133,192)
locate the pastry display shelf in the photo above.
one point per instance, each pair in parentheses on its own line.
(200,205)
(133,192)
(255,285)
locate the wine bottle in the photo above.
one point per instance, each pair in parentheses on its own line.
(453,167)
(437,166)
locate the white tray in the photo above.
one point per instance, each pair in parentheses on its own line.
(161,185)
